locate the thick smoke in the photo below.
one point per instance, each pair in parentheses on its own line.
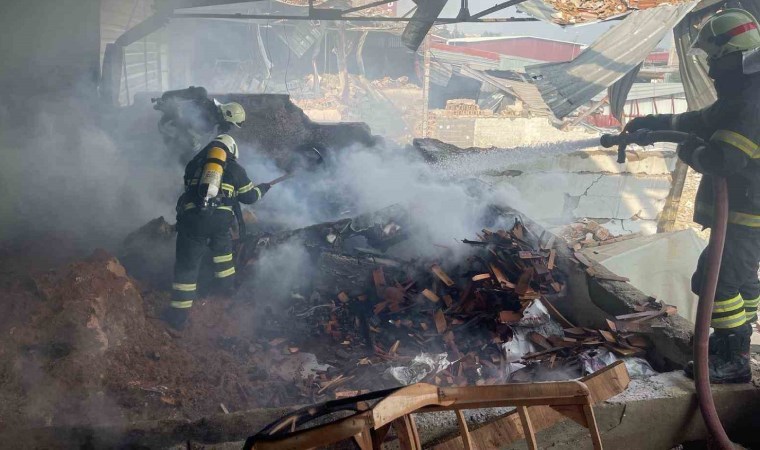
(74,170)
(358,180)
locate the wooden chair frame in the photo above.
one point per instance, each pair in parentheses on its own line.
(369,425)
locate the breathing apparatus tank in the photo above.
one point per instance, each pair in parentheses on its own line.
(211,177)
(210,183)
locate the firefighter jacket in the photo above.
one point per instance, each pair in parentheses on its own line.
(236,186)
(731,126)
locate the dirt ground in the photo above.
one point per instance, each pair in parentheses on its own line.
(81,343)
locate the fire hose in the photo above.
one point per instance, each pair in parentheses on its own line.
(707,291)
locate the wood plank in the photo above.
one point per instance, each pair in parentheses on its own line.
(582,259)
(481,277)
(443,276)
(530,433)
(363,440)
(378,436)
(406,430)
(523,283)
(552,258)
(603,385)
(503,280)
(430,295)
(609,337)
(593,428)
(539,340)
(440,321)
(464,431)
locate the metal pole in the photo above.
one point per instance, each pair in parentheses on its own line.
(338,17)
(425,85)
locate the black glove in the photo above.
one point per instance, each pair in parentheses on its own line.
(651,122)
(690,154)
(264,188)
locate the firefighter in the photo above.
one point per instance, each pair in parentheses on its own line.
(731,126)
(214,184)
(190,118)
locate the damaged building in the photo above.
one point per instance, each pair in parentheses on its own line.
(464,267)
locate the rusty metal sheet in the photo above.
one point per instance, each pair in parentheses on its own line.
(566,86)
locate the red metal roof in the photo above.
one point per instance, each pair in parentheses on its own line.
(466,51)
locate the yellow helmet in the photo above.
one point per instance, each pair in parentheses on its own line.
(233,113)
(229,143)
(728,31)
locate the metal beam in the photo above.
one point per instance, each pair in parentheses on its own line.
(337,17)
(182,4)
(143,28)
(495,8)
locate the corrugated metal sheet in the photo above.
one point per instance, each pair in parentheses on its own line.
(618,92)
(117,16)
(459,58)
(468,40)
(145,66)
(525,91)
(641,91)
(700,92)
(566,86)
(301,37)
(440,73)
(516,63)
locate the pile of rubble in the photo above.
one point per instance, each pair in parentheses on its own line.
(589,233)
(487,320)
(366,317)
(570,12)
(390,83)
(464,107)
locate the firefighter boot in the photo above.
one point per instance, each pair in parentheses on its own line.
(728,359)
(176,317)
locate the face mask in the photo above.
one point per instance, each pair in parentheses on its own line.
(751,61)
(726,66)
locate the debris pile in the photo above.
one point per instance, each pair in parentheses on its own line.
(363,319)
(390,83)
(464,107)
(488,320)
(588,233)
(74,336)
(584,11)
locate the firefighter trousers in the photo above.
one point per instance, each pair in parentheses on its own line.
(197,232)
(738,292)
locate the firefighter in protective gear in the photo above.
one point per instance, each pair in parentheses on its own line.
(203,222)
(731,127)
(190,118)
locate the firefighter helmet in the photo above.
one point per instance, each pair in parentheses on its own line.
(728,31)
(233,113)
(229,143)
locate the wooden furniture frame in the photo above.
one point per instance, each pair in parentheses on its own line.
(368,425)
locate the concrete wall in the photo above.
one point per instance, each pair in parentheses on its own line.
(592,184)
(503,132)
(513,132)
